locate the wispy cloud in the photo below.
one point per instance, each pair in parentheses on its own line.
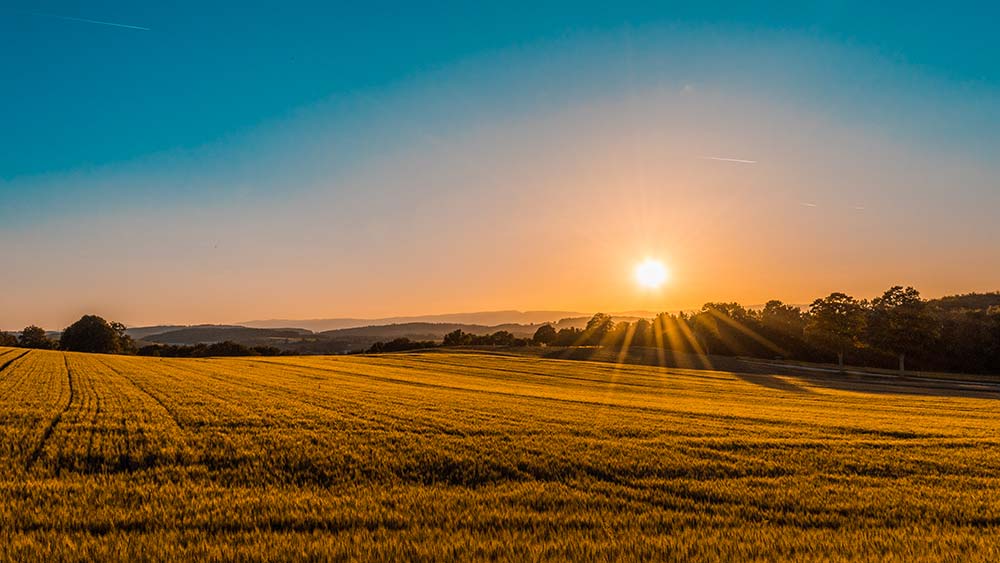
(807,204)
(85,20)
(724,159)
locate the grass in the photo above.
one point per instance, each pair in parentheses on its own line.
(438,456)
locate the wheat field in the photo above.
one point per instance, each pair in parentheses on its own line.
(475,456)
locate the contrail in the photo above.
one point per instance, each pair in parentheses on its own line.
(84,20)
(804,204)
(722,159)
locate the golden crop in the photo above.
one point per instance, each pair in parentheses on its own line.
(434,456)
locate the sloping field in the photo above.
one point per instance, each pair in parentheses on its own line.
(474,456)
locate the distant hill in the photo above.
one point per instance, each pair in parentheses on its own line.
(305,341)
(243,335)
(141,332)
(360,338)
(485,318)
(428,331)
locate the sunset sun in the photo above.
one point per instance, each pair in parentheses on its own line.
(651,273)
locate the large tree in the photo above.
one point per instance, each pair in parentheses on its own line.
(94,334)
(597,328)
(901,322)
(34,337)
(545,334)
(782,319)
(835,323)
(783,325)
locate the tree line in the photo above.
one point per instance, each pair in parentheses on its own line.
(96,335)
(89,334)
(896,329)
(456,337)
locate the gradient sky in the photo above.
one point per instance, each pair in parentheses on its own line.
(301,160)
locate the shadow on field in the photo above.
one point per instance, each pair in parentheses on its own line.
(779,376)
(773,382)
(893,385)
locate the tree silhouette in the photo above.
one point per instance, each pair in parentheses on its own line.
(545,334)
(642,334)
(705,328)
(782,319)
(456,338)
(901,322)
(597,328)
(94,334)
(35,337)
(569,336)
(835,323)
(7,339)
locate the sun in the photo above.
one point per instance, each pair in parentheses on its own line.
(650,273)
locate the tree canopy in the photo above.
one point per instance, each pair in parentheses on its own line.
(7,339)
(835,323)
(546,334)
(901,322)
(35,337)
(94,334)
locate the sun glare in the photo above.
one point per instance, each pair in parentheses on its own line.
(651,273)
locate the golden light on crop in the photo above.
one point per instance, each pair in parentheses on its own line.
(651,273)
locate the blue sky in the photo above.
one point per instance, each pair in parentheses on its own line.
(243,109)
(80,95)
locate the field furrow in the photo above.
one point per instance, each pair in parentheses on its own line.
(57,398)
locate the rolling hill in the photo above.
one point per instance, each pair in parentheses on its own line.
(485,318)
(211,334)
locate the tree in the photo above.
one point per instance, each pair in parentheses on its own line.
(705,329)
(569,336)
(901,322)
(34,337)
(598,327)
(642,335)
(733,311)
(784,325)
(455,338)
(93,334)
(125,343)
(620,335)
(674,333)
(545,334)
(782,319)
(502,338)
(7,339)
(835,323)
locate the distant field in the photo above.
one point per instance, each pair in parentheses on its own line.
(442,456)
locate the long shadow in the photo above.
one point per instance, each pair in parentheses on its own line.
(761,373)
(778,383)
(901,386)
